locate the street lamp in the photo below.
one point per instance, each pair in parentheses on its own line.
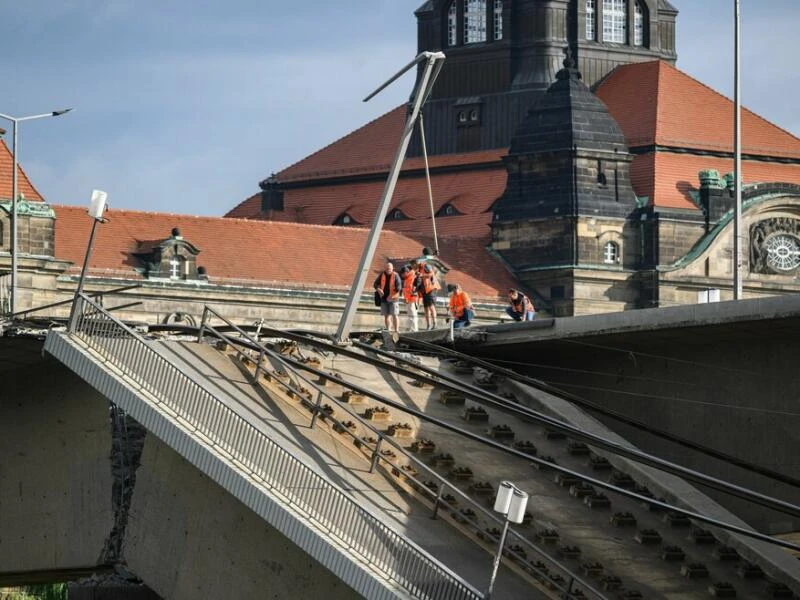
(14,121)
(511,503)
(737,155)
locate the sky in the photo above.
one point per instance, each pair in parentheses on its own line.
(183,106)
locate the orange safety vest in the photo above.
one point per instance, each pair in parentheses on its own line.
(409,289)
(522,304)
(429,282)
(459,302)
(394,293)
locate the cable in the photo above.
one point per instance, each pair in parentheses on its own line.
(596,408)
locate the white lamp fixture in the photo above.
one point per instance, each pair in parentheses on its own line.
(510,502)
(97,206)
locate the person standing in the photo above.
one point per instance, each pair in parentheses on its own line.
(408,274)
(521,308)
(428,286)
(461,310)
(388,286)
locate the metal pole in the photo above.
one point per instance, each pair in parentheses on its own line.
(422,92)
(79,291)
(737,161)
(14,193)
(497,558)
(14,220)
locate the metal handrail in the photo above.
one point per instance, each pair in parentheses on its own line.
(339,515)
(570,577)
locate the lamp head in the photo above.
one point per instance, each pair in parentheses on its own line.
(58,113)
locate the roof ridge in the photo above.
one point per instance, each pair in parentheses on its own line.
(338,140)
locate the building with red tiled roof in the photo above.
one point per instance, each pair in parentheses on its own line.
(594,209)
(24,185)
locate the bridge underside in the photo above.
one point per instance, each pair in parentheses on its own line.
(60,502)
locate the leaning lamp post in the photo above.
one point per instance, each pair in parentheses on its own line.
(14,193)
(511,502)
(97,206)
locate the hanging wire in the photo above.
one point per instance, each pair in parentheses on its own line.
(428,181)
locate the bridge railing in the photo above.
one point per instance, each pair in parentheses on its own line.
(325,506)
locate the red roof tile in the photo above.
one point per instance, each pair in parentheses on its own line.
(668,177)
(470,193)
(655,103)
(252,252)
(24,184)
(368,149)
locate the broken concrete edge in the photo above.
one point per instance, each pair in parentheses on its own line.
(776,563)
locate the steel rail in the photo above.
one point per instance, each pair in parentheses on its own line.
(485,397)
(294,365)
(596,408)
(313,341)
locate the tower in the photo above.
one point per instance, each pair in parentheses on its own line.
(566,224)
(502,54)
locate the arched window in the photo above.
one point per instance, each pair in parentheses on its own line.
(591,31)
(452,25)
(474,21)
(638,24)
(615,21)
(610,253)
(498,20)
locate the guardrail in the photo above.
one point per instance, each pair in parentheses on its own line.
(330,509)
(444,487)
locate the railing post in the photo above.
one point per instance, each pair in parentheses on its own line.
(74,315)
(569,588)
(203,327)
(437,502)
(375,455)
(317,408)
(258,365)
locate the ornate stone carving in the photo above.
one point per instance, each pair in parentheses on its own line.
(775,246)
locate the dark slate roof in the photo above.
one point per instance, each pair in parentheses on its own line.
(568,115)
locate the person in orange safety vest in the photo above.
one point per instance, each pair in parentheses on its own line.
(427,288)
(410,278)
(461,310)
(388,286)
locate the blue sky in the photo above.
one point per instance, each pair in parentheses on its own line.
(185,105)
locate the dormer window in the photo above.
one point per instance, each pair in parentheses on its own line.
(175,264)
(448,210)
(468,111)
(172,259)
(397,215)
(345,219)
